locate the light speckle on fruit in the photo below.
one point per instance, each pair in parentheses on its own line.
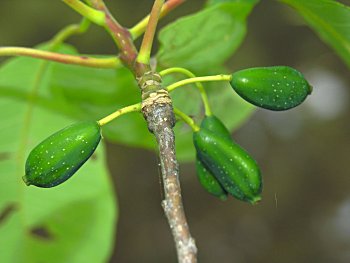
(58,149)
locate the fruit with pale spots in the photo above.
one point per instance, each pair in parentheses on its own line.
(58,157)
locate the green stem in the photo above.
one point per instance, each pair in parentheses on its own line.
(88,2)
(141,26)
(92,14)
(198,84)
(198,79)
(59,38)
(70,30)
(147,42)
(187,119)
(120,112)
(62,58)
(97,4)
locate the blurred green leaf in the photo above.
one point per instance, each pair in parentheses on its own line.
(88,93)
(330,19)
(73,222)
(205,39)
(94,93)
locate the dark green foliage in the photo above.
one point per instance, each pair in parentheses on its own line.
(275,88)
(59,156)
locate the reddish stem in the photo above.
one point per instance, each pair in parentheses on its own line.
(169,6)
(120,35)
(62,58)
(147,42)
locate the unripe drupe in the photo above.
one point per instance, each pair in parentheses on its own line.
(274,88)
(58,157)
(205,176)
(232,167)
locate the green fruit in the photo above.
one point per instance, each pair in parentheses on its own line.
(275,88)
(59,156)
(236,171)
(213,124)
(205,177)
(209,182)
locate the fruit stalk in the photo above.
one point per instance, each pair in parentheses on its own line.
(181,83)
(120,112)
(186,119)
(199,85)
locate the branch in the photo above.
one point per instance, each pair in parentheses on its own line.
(158,112)
(99,14)
(62,58)
(120,35)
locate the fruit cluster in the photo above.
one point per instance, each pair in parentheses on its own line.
(223,167)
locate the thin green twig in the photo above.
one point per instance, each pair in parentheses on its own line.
(132,108)
(140,27)
(147,42)
(90,13)
(187,119)
(62,58)
(199,85)
(184,82)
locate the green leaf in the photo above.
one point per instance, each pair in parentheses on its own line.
(205,39)
(86,93)
(330,19)
(94,93)
(73,222)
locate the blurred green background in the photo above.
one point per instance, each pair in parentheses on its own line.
(303,153)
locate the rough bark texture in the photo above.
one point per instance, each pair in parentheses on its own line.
(158,112)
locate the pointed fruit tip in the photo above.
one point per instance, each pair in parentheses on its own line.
(255,200)
(26,181)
